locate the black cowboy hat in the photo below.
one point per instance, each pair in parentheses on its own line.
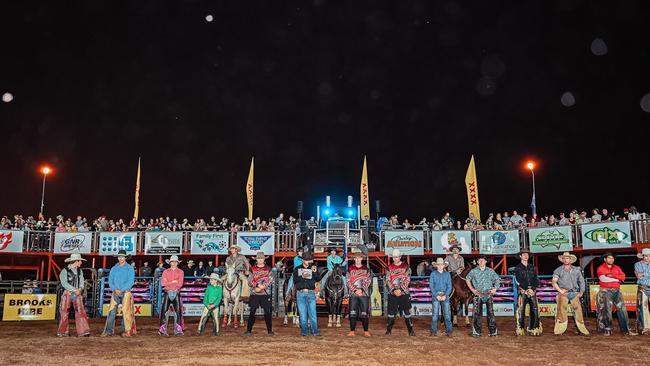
(122,253)
(607,254)
(460,249)
(523,251)
(308,256)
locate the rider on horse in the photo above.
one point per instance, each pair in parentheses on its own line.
(455,262)
(332,259)
(242,266)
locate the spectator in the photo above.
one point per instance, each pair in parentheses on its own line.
(606,216)
(447,222)
(160,268)
(595,217)
(516,220)
(188,270)
(506,219)
(209,269)
(583,219)
(145,270)
(200,270)
(633,214)
(563,219)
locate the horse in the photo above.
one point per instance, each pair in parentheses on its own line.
(334,293)
(290,305)
(460,293)
(232,285)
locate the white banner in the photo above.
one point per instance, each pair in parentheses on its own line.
(163,243)
(65,243)
(112,242)
(210,242)
(409,242)
(11,241)
(252,242)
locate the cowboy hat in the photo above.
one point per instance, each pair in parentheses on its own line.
(567,254)
(645,251)
(358,255)
(460,249)
(74,257)
(396,253)
(523,251)
(215,276)
(307,257)
(190,261)
(440,261)
(174,258)
(122,253)
(234,246)
(260,255)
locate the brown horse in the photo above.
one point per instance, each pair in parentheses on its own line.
(460,293)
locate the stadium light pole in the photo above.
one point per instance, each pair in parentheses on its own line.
(45,170)
(531,166)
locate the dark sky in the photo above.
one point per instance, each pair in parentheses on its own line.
(308,88)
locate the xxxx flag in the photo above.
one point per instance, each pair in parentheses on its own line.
(471,183)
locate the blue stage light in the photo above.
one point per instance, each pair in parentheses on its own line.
(350,213)
(327,211)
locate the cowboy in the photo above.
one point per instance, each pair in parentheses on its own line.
(297,262)
(642,272)
(483,283)
(570,285)
(440,285)
(399,299)
(260,281)
(242,267)
(120,279)
(610,277)
(332,260)
(455,262)
(359,279)
(304,279)
(211,301)
(72,281)
(172,281)
(527,283)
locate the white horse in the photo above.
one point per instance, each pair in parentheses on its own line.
(232,303)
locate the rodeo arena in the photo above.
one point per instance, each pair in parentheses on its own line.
(331,288)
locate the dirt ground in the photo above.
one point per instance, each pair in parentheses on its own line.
(35,343)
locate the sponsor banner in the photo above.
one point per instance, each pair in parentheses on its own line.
(164,243)
(442,240)
(112,242)
(422,309)
(29,307)
(550,239)
(252,242)
(500,309)
(210,242)
(629,296)
(603,235)
(409,242)
(193,309)
(548,309)
(73,243)
(11,241)
(138,310)
(498,241)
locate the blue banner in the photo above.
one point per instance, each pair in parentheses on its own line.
(112,242)
(252,242)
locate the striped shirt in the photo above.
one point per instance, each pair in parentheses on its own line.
(641,267)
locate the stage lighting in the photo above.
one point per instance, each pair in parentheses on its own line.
(350,213)
(326,212)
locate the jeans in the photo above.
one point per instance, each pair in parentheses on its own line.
(446,313)
(126,300)
(604,301)
(307,310)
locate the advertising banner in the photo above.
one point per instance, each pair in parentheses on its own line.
(629,296)
(163,243)
(409,242)
(605,235)
(112,242)
(66,243)
(210,242)
(29,307)
(252,242)
(138,310)
(498,241)
(11,241)
(550,239)
(500,309)
(441,241)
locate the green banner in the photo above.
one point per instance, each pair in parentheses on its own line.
(550,239)
(498,241)
(604,235)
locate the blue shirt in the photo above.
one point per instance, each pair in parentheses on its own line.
(331,261)
(121,277)
(297,261)
(484,280)
(440,282)
(640,267)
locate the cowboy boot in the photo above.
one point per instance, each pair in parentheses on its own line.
(338,321)
(329,321)
(389,326)
(202,323)
(409,326)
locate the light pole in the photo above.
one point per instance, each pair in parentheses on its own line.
(45,170)
(531,166)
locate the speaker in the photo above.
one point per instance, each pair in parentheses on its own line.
(378,206)
(299,207)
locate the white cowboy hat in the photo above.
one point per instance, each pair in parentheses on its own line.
(215,276)
(74,257)
(440,261)
(174,258)
(567,254)
(645,251)
(235,247)
(396,253)
(260,255)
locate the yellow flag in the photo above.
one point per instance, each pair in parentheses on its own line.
(365,197)
(471,183)
(137,194)
(249,191)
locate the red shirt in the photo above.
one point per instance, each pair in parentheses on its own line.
(615,271)
(172,279)
(359,279)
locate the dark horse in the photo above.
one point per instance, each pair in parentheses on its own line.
(334,293)
(290,306)
(461,293)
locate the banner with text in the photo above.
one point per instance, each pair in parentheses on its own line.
(11,241)
(112,242)
(628,291)
(29,307)
(252,242)
(409,242)
(138,310)
(210,242)
(73,243)
(550,239)
(441,241)
(163,243)
(498,241)
(604,235)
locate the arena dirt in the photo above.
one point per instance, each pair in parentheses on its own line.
(35,343)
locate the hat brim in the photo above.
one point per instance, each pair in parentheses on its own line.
(573,258)
(68,260)
(443,263)
(640,255)
(456,247)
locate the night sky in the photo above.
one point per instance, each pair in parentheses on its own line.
(308,88)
